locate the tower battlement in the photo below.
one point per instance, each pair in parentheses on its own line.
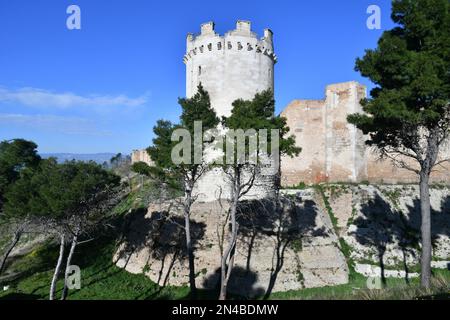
(232,66)
(241,39)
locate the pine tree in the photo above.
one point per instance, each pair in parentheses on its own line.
(197,108)
(241,168)
(408,116)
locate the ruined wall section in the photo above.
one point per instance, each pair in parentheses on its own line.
(332,149)
(335,151)
(141,156)
(345,151)
(305,119)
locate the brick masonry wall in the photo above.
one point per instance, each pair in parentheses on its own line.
(141,156)
(334,150)
(305,119)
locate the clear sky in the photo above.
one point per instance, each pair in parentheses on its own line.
(102,88)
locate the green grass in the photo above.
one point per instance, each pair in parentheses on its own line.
(138,198)
(321,190)
(395,288)
(100,279)
(298,186)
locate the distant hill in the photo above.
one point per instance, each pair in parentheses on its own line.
(62,157)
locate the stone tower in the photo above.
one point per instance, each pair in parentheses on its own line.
(234,66)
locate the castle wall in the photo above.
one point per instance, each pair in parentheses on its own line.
(373,218)
(334,150)
(141,156)
(305,119)
(345,150)
(383,171)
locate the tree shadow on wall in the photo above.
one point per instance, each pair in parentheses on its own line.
(241,284)
(381,225)
(162,233)
(133,234)
(440,219)
(287,222)
(440,223)
(378,226)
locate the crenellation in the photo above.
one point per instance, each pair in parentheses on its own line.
(268,35)
(207,28)
(236,39)
(243,26)
(237,66)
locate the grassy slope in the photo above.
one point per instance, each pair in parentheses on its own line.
(100,279)
(357,289)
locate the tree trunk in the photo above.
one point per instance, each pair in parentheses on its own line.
(57,268)
(68,264)
(16,238)
(225,270)
(189,248)
(426,230)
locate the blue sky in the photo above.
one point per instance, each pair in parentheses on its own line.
(102,88)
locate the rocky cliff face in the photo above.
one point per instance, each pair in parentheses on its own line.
(319,235)
(381,224)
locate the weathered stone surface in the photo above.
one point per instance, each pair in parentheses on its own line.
(342,206)
(311,257)
(334,150)
(384,224)
(141,156)
(440,264)
(375,271)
